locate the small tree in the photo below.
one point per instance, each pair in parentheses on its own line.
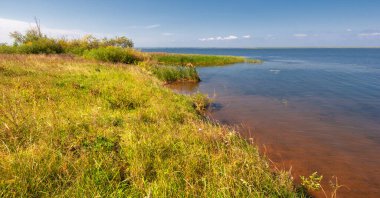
(90,42)
(32,34)
(122,42)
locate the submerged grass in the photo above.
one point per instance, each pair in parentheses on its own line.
(198,60)
(77,128)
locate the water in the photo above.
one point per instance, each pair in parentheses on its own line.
(308,109)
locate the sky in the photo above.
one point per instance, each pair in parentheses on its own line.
(203,23)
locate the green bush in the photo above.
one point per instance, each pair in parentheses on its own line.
(88,42)
(5,49)
(33,41)
(76,50)
(114,55)
(41,46)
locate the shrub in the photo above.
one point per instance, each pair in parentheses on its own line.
(114,54)
(122,42)
(41,46)
(33,41)
(5,49)
(88,42)
(33,34)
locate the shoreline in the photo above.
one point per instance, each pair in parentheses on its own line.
(141,132)
(258,48)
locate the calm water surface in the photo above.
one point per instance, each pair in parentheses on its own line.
(308,109)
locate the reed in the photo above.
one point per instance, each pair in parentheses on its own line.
(198,60)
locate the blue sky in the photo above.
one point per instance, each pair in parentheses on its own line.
(201,23)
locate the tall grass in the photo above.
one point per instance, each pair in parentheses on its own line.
(114,55)
(175,73)
(198,60)
(78,128)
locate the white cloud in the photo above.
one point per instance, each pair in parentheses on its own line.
(152,26)
(349,30)
(11,25)
(219,38)
(300,35)
(167,34)
(372,34)
(207,39)
(231,37)
(246,36)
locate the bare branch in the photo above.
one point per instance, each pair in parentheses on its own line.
(38,25)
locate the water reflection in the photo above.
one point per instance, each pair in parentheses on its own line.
(184,87)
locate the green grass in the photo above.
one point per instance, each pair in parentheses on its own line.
(115,55)
(198,60)
(166,67)
(72,127)
(170,74)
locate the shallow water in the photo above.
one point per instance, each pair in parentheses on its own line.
(308,109)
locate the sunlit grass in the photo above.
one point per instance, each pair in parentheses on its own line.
(77,128)
(198,60)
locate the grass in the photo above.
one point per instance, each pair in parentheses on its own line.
(170,74)
(115,55)
(166,67)
(72,127)
(198,60)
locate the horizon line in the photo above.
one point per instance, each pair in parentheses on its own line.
(299,47)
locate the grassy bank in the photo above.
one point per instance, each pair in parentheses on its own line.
(72,127)
(166,67)
(198,60)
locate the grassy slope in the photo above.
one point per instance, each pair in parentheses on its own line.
(166,67)
(72,127)
(198,60)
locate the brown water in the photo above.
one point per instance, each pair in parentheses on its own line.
(296,137)
(299,140)
(307,109)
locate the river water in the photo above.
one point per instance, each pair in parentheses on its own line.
(307,109)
